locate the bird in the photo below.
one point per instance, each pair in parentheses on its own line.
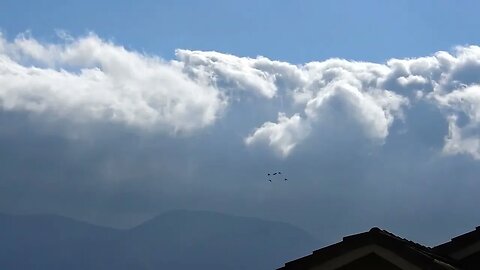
(270,180)
(268,174)
(285,179)
(279,173)
(274,173)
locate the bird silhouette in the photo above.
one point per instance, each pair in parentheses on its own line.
(273,174)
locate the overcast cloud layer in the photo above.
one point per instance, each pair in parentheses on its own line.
(88,79)
(96,131)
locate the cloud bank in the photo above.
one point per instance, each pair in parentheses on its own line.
(89,79)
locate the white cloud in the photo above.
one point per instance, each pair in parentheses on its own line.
(376,94)
(354,88)
(462,102)
(281,136)
(457,142)
(315,87)
(228,71)
(89,79)
(465,100)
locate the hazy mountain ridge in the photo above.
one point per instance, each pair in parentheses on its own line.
(176,240)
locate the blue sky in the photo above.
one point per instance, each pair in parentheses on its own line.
(285,30)
(148,106)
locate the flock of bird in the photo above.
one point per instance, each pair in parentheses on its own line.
(270,175)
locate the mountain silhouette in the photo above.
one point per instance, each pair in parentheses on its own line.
(178,239)
(51,242)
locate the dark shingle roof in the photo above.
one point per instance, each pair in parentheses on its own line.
(413,252)
(458,242)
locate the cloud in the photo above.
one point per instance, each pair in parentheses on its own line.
(283,135)
(338,129)
(88,79)
(462,104)
(228,71)
(353,88)
(375,95)
(319,87)
(457,142)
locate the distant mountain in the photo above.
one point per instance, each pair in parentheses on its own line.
(50,242)
(174,240)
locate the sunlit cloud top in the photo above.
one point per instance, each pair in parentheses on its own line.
(89,79)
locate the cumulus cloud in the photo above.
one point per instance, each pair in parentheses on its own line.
(89,79)
(462,103)
(354,88)
(283,135)
(228,71)
(317,87)
(459,141)
(375,95)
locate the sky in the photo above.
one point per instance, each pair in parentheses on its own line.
(112,112)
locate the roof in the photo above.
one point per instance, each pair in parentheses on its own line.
(458,242)
(422,256)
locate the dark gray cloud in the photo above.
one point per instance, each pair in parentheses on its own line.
(362,144)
